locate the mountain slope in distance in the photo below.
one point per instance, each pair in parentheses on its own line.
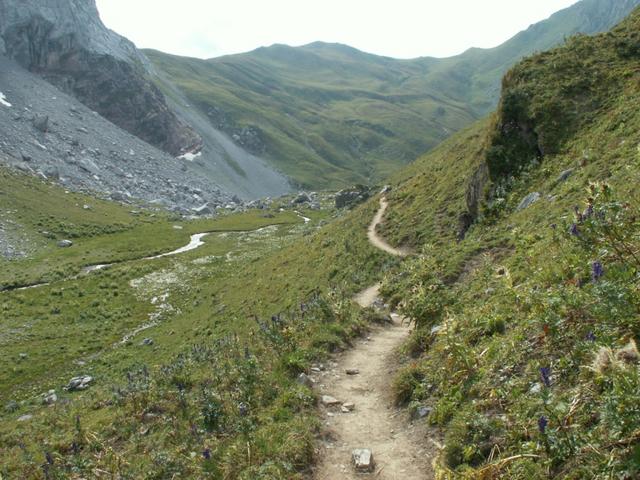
(328,115)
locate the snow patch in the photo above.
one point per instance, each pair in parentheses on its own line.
(190,156)
(3,100)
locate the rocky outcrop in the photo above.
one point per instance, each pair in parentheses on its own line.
(66,42)
(529,200)
(352,196)
(474,196)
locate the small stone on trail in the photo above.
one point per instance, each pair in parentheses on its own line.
(352,371)
(304,379)
(25,418)
(363,460)
(329,401)
(421,412)
(147,342)
(65,243)
(349,406)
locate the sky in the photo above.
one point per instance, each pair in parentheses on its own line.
(395,28)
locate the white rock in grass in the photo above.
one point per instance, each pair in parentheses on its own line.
(79,383)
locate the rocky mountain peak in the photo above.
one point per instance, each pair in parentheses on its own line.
(66,42)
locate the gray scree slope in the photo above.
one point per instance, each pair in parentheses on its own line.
(66,43)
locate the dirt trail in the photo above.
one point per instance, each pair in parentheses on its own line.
(376,240)
(400,450)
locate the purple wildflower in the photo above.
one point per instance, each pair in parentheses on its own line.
(554,226)
(588,212)
(591,337)
(597,271)
(542,424)
(206,453)
(545,375)
(243,409)
(573,230)
(49,458)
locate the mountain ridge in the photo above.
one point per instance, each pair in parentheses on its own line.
(328,114)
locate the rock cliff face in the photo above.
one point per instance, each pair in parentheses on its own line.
(50,134)
(66,42)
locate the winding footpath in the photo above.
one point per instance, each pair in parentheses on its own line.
(376,240)
(400,450)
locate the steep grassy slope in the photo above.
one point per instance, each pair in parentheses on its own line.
(329,115)
(525,333)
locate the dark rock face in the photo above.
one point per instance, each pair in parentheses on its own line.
(352,196)
(66,42)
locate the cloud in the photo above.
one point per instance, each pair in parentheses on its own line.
(402,28)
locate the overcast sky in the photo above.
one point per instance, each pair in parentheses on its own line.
(396,28)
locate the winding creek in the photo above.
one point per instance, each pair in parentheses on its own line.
(194,242)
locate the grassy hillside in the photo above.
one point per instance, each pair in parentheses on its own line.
(329,115)
(525,342)
(525,317)
(232,324)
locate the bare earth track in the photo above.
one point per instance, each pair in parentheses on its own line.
(376,240)
(399,449)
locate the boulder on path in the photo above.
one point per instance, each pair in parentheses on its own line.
(363,460)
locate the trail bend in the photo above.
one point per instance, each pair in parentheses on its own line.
(401,450)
